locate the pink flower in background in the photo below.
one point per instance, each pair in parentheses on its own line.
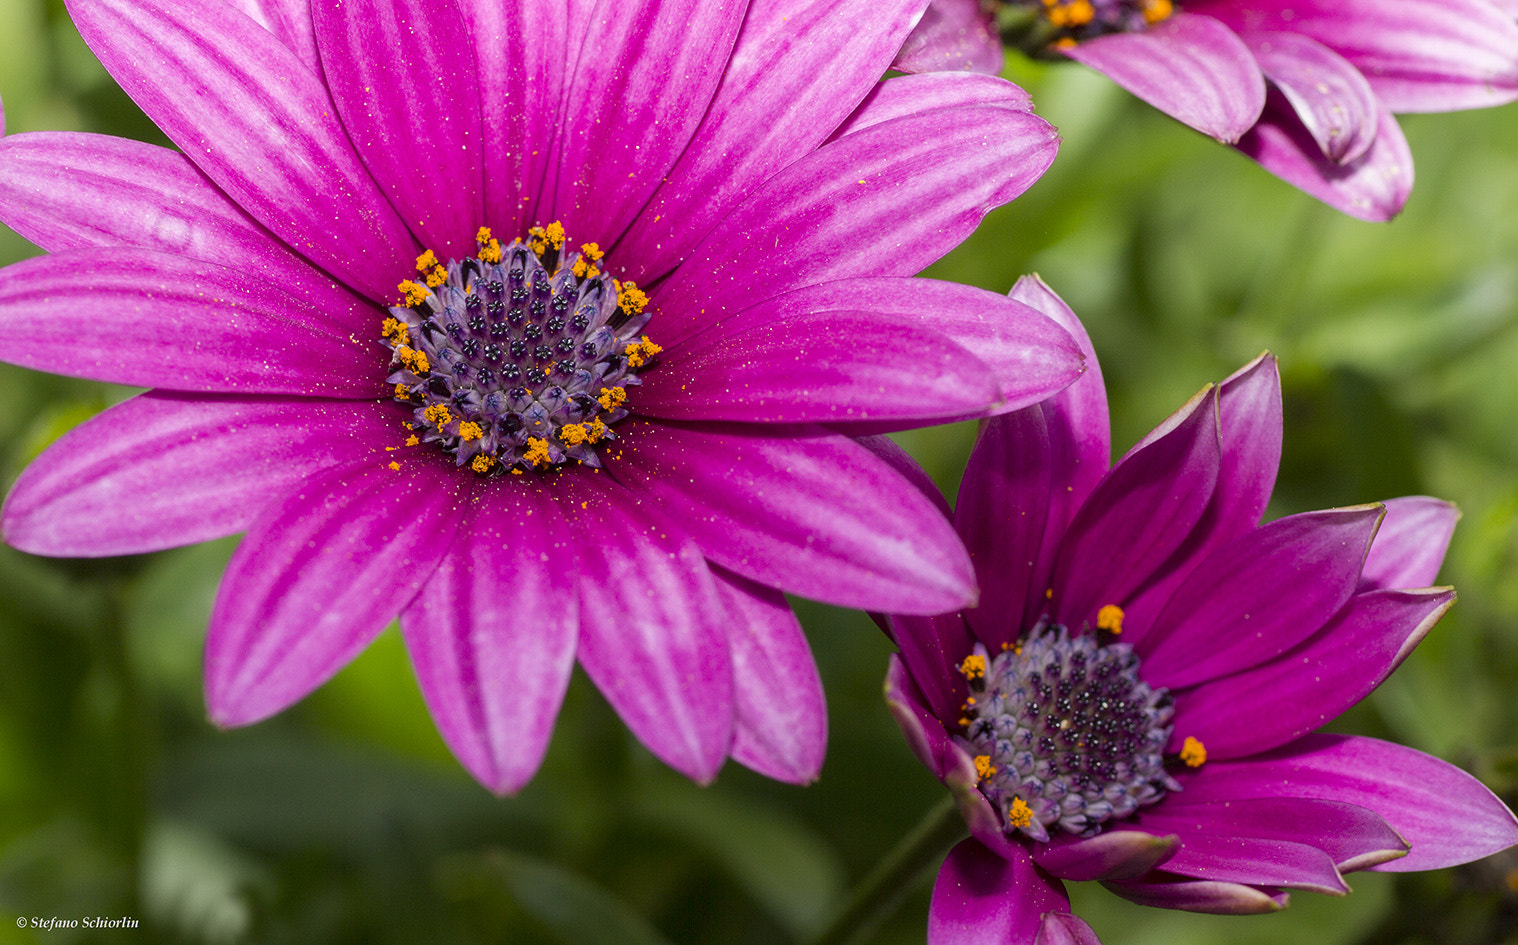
(543,325)
(1307,89)
(1135,698)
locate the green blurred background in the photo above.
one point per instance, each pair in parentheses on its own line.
(346,820)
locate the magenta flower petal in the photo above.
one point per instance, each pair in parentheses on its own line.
(64,190)
(163,470)
(769,108)
(1209,854)
(1410,544)
(501,608)
(395,68)
(780,728)
(1229,614)
(826,367)
(151,319)
(1331,98)
(901,165)
(320,575)
(919,724)
(887,450)
(1115,855)
(1192,68)
(656,648)
(934,90)
(1373,187)
(1310,685)
(1210,896)
(971,901)
(1060,928)
(1139,514)
(290,20)
(1419,55)
(790,513)
(952,35)
(629,121)
(261,125)
(1352,836)
(1446,816)
(520,51)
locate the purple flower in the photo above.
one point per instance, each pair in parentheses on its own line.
(1307,89)
(1134,699)
(543,325)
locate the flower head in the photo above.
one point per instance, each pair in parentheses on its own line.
(1306,89)
(548,330)
(1134,700)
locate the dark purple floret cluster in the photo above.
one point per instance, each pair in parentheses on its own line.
(1064,732)
(518,358)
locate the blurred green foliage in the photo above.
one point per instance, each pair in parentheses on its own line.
(346,820)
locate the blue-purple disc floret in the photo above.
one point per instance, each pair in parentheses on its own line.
(1065,733)
(517,358)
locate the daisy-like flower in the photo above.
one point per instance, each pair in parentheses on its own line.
(1135,698)
(542,324)
(1307,89)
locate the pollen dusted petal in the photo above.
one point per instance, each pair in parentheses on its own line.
(952,35)
(320,575)
(652,631)
(163,470)
(494,632)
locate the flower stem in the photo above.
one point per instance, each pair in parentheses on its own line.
(878,894)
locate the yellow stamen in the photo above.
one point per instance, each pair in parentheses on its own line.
(638,353)
(402,391)
(597,429)
(983,766)
(437,277)
(415,294)
(1157,10)
(393,331)
(554,234)
(491,252)
(592,251)
(1110,618)
(438,415)
(482,463)
(537,451)
(1070,14)
(612,397)
(973,667)
(1019,814)
(469,430)
(1193,752)
(413,359)
(573,434)
(631,298)
(425,261)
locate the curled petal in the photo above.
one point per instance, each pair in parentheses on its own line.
(1115,855)
(1410,545)
(1210,896)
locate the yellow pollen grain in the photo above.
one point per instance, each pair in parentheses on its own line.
(394,465)
(412,440)
(591,251)
(1064,42)
(964,722)
(973,667)
(482,463)
(469,430)
(1019,814)
(612,397)
(414,293)
(426,261)
(1193,752)
(537,451)
(1110,618)
(630,298)
(516,472)
(1157,10)
(554,234)
(983,766)
(438,415)
(573,434)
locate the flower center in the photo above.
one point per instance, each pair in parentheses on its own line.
(1036,25)
(1064,732)
(520,357)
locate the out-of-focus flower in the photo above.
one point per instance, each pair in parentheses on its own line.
(1307,89)
(541,324)
(1135,698)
